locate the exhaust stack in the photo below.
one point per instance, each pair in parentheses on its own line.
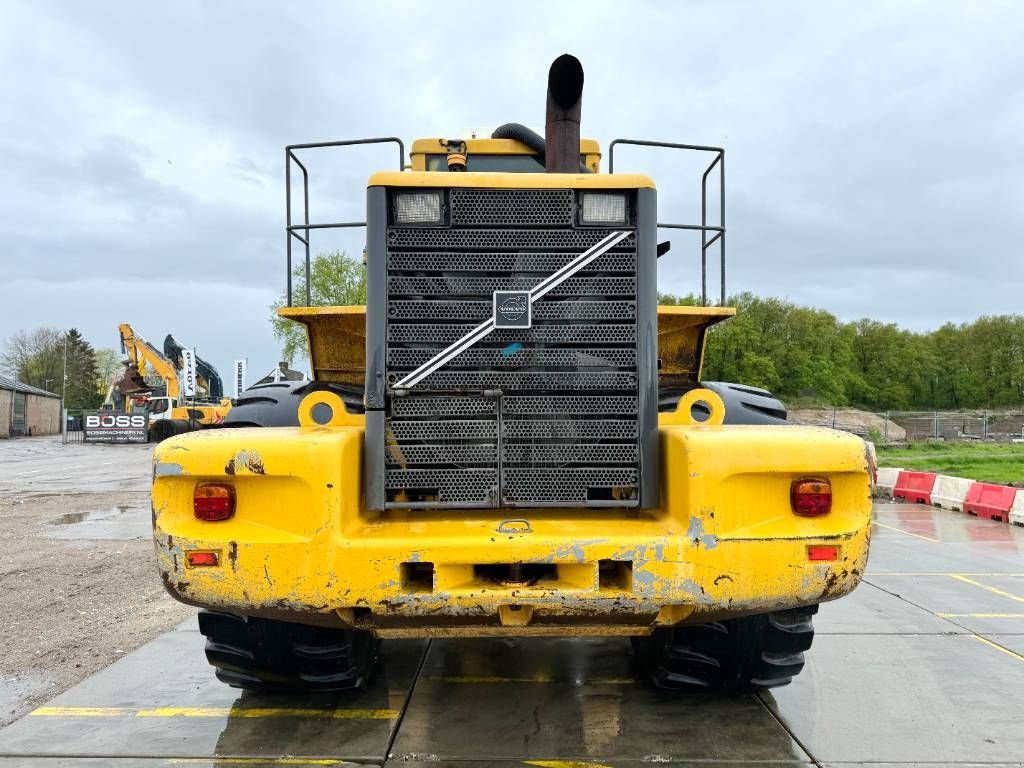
(562,119)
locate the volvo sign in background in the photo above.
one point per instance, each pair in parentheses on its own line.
(114,427)
(188,360)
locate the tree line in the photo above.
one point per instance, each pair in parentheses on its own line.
(807,356)
(62,362)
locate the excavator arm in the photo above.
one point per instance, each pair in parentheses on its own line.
(208,379)
(140,352)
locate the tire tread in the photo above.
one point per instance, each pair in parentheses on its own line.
(267,655)
(762,651)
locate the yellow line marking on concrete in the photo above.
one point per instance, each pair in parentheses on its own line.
(484,679)
(980,615)
(564,764)
(239,712)
(998,647)
(81,711)
(993,590)
(908,533)
(257,761)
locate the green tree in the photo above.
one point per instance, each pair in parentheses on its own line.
(336,279)
(80,391)
(36,357)
(108,364)
(670,299)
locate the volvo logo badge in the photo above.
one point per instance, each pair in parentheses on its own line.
(512,309)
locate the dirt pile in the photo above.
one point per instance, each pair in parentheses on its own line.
(862,423)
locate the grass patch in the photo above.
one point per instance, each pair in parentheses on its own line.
(991,462)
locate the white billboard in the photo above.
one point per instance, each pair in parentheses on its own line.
(188,372)
(241,371)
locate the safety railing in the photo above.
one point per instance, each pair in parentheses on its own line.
(711,234)
(293,230)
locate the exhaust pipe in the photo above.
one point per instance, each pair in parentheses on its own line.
(562,118)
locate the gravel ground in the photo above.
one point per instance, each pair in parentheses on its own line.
(78,589)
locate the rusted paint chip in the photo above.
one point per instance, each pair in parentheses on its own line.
(249,460)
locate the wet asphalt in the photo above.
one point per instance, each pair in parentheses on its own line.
(923,664)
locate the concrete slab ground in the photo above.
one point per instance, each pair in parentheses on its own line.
(77,579)
(42,465)
(923,664)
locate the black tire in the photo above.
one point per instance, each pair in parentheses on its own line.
(748,405)
(268,655)
(165,428)
(743,404)
(277,404)
(735,655)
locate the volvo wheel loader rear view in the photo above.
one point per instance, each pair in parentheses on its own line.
(510,439)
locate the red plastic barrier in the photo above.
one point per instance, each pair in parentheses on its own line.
(914,486)
(991,501)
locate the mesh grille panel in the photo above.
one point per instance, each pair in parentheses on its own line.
(559,486)
(443,430)
(558,424)
(571,405)
(541,263)
(501,239)
(516,207)
(482,453)
(539,334)
(481,310)
(518,356)
(458,285)
(585,453)
(505,381)
(559,429)
(466,487)
(437,407)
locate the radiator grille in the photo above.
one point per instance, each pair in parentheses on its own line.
(515,207)
(545,416)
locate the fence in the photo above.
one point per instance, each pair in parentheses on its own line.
(903,426)
(71,427)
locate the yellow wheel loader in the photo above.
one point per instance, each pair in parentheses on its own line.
(510,439)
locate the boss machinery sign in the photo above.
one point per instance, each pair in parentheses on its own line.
(114,427)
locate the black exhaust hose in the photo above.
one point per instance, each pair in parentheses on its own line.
(522,134)
(532,139)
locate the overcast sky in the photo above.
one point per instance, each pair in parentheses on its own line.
(875,150)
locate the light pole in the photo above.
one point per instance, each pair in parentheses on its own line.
(64,385)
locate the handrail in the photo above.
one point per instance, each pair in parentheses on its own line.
(704,228)
(292,230)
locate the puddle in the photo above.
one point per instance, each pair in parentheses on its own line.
(97,514)
(120,522)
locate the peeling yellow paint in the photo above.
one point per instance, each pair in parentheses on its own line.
(723,543)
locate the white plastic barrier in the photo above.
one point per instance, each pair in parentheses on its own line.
(886,481)
(1017,510)
(950,492)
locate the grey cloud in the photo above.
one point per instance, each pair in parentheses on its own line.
(874,157)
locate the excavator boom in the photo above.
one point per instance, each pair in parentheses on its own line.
(141,353)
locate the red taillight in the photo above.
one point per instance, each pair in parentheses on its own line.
(213,501)
(810,496)
(822,552)
(202,559)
